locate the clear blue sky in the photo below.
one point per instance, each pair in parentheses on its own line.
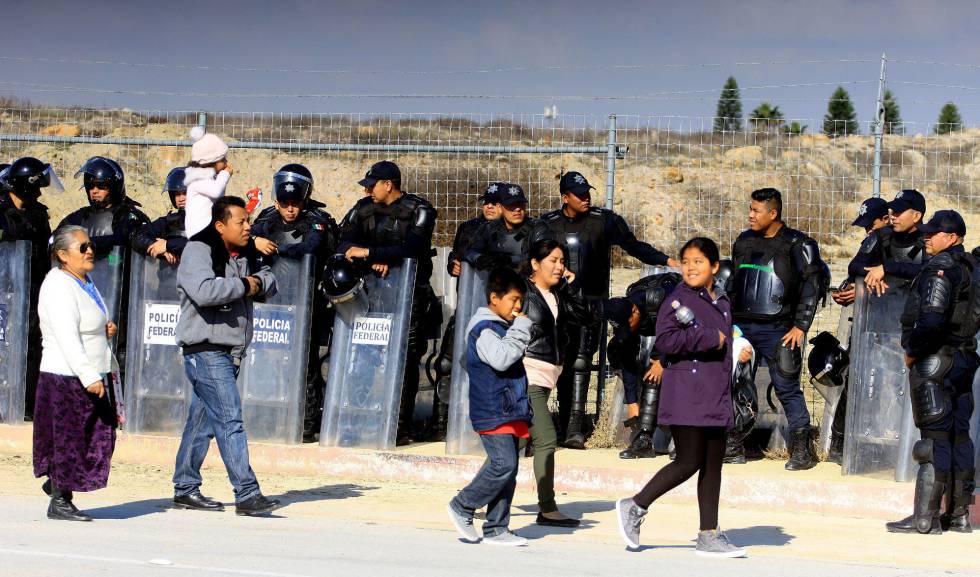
(395,47)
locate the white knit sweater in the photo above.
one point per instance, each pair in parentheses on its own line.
(73,330)
(204,187)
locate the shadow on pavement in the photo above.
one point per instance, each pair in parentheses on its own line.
(760,536)
(323,493)
(132,509)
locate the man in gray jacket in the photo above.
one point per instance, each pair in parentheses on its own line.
(216,287)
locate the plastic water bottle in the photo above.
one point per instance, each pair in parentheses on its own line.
(684,315)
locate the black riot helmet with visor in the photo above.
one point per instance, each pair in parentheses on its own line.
(174,184)
(104,173)
(292,182)
(26,176)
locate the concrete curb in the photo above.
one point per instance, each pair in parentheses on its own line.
(754,486)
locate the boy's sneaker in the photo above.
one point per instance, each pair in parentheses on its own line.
(463,524)
(506,539)
(716,544)
(630,517)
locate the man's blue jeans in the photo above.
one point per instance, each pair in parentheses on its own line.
(493,485)
(215,412)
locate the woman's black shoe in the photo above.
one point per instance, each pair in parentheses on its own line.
(566,523)
(61,509)
(198,502)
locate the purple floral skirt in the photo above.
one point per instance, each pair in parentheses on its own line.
(74,434)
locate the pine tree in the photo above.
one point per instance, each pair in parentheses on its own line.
(766,117)
(840,119)
(728,118)
(893,115)
(949,119)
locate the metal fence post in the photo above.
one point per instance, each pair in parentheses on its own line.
(611,153)
(202,120)
(879,130)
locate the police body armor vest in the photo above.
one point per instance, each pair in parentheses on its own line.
(175,225)
(587,248)
(515,244)
(389,225)
(893,251)
(99,222)
(766,281)
(966,310)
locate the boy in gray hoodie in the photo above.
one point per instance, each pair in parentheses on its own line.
(216,286)
(497,337)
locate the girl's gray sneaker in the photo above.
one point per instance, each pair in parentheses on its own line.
(630,517)
(716,544)
(505,539)
(464,525)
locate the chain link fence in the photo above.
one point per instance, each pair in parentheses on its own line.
(679,178)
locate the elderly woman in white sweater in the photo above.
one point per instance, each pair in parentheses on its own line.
(74,421)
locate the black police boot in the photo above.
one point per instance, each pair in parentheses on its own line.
(62,509)
(734,450)
(641,447)
(835,454)
(575,435)
(925,519)
(440,420)
(405,423)
(959,498)
(802,456)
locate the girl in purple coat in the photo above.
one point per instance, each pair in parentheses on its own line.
(694,335)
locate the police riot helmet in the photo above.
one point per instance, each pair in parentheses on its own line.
(26,177)
(827,360)
(175,184)
(726,268)
(649,293)
(4,186)
(292,182)
(106,172)
(340,278)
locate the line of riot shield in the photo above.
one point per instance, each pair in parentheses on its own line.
(879,432)
(107,275)
(157,391)
(461,439)
(367,368)
(832,395)
(272,379)
(444,288)
(15,306)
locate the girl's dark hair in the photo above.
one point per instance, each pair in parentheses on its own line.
(707,247)
(540,251)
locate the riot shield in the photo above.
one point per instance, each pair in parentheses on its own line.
(368,364)
(444,288)
(158,392)
(879,432)
(771,415)
(272,379)
(461,439)
(108,278)
(832,395)
(15,305)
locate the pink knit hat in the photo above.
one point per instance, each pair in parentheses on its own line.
(207,148)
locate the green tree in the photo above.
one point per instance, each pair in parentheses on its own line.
(840,119)
(893,115)
(728,117)
(949,119)
(766,117)
(794,128)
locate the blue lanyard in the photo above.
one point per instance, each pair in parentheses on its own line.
(89,287)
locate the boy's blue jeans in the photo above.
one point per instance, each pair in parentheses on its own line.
(493,485)
(215,412)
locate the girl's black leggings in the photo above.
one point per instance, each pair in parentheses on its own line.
(700,450)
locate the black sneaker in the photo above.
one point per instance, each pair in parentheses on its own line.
(257,505)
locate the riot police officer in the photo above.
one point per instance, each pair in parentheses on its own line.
(297,225)
(507,240)
(939,327)
(465,236)
(589,232)
(872,216)
(778,283)
(632,350)
(165,237)
(896,252)
(384,227)
(23,217)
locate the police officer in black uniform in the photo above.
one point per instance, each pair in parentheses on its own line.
(384,227)
(939,327)
(632,350)
(465,236)
(22,217)
(589,232)
(779,281)
(507,240)
(165,237)
(297,225)
(896,252)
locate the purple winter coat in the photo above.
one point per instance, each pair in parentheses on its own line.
(696,387)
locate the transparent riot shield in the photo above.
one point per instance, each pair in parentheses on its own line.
(15,306)
(368,364)
(771,415)
(108,278)
(832,395)
(157,390)
(880,432)
(461,439)
(272,379)
(444,289)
